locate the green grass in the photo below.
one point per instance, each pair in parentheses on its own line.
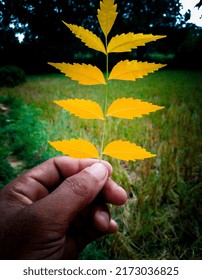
(162,217)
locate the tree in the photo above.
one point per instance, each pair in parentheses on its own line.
(199,4)
(46,38)
(151,15)
(41,24)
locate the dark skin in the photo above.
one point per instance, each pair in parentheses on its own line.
(54,210)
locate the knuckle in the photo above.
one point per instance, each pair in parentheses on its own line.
(78,185)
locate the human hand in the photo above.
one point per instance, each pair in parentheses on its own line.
(54,210)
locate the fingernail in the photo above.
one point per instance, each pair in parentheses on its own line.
(98,170)
(104,215)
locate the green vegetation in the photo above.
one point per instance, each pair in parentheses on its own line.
(23,139)
(11,76)
(161,219)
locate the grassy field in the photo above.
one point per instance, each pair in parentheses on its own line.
(162,217)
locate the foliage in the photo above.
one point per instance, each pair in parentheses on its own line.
(199,4)
(98,250)
(27,14)
(40,23)
(91,75)
(7,173)
(160,58)
(11,76)
(23,137)
(190,50)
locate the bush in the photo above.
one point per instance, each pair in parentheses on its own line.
(7,173)
(27,135)
(11,76)
(23,136)
(160,57)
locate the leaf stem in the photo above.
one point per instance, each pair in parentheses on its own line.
(106,100)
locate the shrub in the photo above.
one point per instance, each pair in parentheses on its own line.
(7,173)
(23,136)
(11,76)
(27,138)
(160,57)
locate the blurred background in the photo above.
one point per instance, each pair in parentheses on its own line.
(32,32)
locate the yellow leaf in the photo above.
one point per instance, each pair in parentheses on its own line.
(87,37)
(132,70)
(107,15)
(127,42)
(76,148)
(124,150)
(129,108)
(83,73)
(84,109)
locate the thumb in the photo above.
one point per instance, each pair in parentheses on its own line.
(74,194)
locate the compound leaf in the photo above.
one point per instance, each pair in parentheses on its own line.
(124,150)
(76,148)
(84,109)
(129,108)
(132,70)
(85,74)
(87,37)
(127,42)
(107,15)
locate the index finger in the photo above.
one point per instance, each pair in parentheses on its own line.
(53,171)
(42,179)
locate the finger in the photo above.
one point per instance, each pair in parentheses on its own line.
(98,224)
(53,171)
(113,193)
(39,181)
(102,220)
(76,192)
